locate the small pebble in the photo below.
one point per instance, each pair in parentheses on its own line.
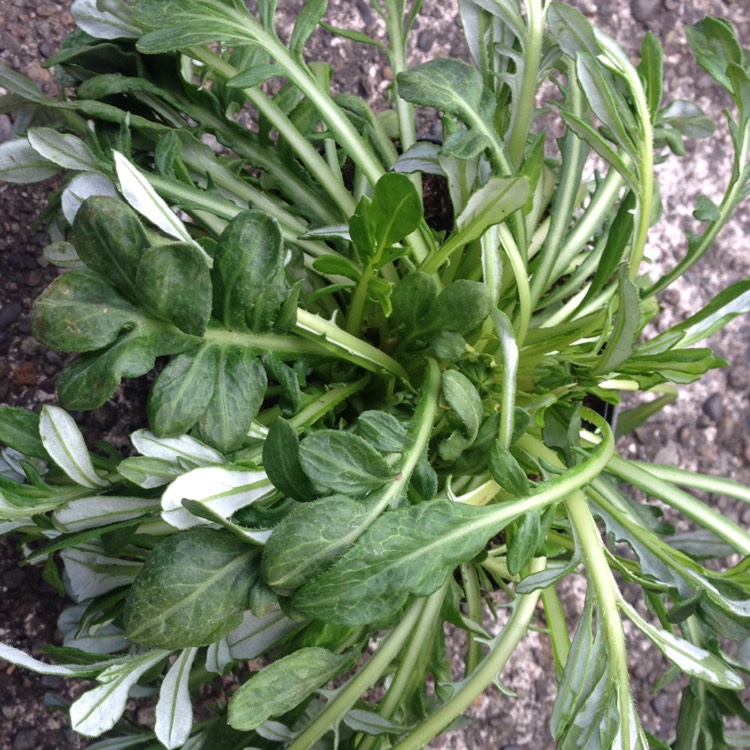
(662,704)
(44,49)
(739,379)
(8,314)
(25,374)
(425,40)
(713,407)
(26,739)
(14,579)
(644,10)
(364,11)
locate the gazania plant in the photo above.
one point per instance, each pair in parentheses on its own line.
(369,420)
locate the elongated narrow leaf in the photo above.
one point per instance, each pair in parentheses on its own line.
(101,23)
(651,72)
(19,429)
(491,204)
(144,199)
(406,551)
(66,447)
(626,325)
(20,163)
(21,659)
(343,462)
(307,21)
(174,711)
(65,150)
(506,470)
(222,490)
(183,449)
(98,710)
(92,512)
(192,589)
(281,462)
(282,685)
(690,658)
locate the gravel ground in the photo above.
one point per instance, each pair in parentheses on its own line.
(707,429)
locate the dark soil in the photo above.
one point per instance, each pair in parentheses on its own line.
(708,429)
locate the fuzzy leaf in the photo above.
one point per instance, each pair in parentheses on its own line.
(310,539)
(409,551)
(344,462)
(192,589)
(239,387)
(248,273)
(283,685)
(382,430)
(65,150)
(20,163)
(174,282)
(110,240)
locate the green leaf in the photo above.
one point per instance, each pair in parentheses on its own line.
(283,685)
(93,377)
(65,445)
(174,709)
(464,400)
(192,589)
(80,311)
(110,240)
(412,299)
(336,265)
(524,541)
(409,551)
(175,284)
(396,209)
(20,163)
(460,307)
(308,18)
(254,76)
(310,539)
(464,144)
(571,30)
(19,429)
(178,24)
(687,118)
(382,430)
(343,462)
(724,307)
(706,209)
(239,388)
(99,709)
(452,86)
(65,150)
(371,723)
(651,72)
(281,462)
(715,46)
(248,273)
(491,204)
(625,327)
(506,470)
(183,390)
(691,659)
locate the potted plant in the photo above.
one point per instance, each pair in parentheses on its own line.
(363,426)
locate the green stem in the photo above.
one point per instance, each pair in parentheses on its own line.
(474,613)
(505,644)
(367,676)
(688,505)
(304,149)
(518,264)
(557,628)
(405,674)
(523,109)
(337,341)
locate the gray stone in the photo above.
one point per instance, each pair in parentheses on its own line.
(644,10)
(713,407)
(364,11)
(26,739)
(13,579)
(8,314)
(425,40)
